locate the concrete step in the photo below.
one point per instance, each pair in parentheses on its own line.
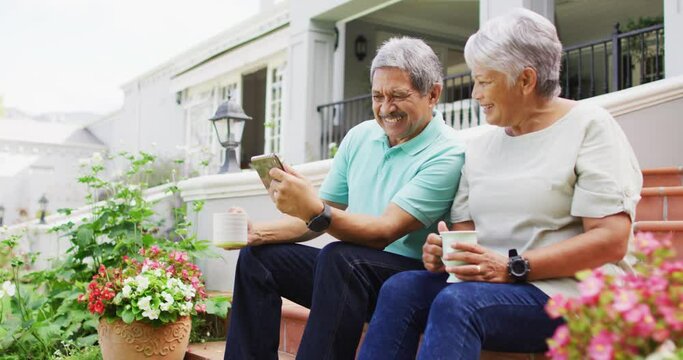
(662,229)
(664,176)
(660,203)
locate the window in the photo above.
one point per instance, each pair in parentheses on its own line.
(274,108)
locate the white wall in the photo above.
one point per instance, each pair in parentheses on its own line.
(673,32)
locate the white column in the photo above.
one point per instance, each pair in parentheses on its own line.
(673,35)
(308,84)
(491,8)
(338,71)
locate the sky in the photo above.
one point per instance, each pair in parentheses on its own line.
(74,55)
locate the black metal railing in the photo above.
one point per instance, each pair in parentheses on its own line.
(620,61)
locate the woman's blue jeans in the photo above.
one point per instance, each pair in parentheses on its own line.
(339,283)
(458,320)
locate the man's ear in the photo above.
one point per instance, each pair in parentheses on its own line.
(434,94)
(527,80)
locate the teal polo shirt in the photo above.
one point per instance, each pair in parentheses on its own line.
(421,176)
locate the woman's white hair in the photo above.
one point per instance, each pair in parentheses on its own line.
(519,39)
(413,56)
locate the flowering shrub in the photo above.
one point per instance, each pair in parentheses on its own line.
(158,288)
(626,316)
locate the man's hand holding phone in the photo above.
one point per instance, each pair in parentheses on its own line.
(293,194)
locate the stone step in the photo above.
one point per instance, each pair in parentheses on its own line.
(215,350)
(664,176)
(660,203)
(664,228)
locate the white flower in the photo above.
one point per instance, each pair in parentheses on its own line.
(8,288)
(151,314)
(126,291)
(156,272)
(188,292)
(117,298)
(127,281)
(168,301)
(332,145)
(185,308)
(143,283)
(96,158)
(144,303)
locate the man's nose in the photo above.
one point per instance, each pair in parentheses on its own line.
(387,106)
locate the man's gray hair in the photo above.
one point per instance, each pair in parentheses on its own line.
(520,39)
(413,56)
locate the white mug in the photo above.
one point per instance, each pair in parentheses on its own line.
(448,238)
(230,230)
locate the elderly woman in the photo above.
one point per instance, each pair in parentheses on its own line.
(550,192)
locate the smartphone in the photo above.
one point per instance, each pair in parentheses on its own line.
(263,163)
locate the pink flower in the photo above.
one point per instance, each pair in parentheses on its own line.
(154,250)
(660,335)
(200,308)
(561,335)
(142,251)
(556,305)
(646,243)
(591,287)
(624,300)
(602,346)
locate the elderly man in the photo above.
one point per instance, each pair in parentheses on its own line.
(390,182)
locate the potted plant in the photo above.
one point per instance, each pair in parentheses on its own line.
(629,316)
(145,305)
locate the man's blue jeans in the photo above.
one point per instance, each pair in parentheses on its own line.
(458,320)
(339,283)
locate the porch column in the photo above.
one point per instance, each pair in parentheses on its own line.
(309,83)
(491,8)
(673,38)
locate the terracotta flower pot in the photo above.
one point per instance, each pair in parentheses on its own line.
(139,340)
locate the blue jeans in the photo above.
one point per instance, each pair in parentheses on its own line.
(458,320)
(339,283)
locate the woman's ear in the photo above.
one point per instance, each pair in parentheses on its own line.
(527,80)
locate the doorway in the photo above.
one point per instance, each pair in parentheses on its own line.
(254,104)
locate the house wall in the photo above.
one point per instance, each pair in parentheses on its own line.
(673,28)
(655,134)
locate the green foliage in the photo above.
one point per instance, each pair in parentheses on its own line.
(44,318)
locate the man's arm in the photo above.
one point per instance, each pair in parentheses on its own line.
(286,230)
(294,195)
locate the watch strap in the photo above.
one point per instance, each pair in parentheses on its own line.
(321,222)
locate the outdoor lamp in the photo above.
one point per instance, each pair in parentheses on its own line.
(43,208)
(2,214)
(229,125)
(360,47)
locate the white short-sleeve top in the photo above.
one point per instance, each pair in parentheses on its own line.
(532,190)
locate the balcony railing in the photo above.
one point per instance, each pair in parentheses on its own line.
(620,61)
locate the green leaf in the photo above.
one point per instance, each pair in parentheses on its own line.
(87,340)
(218,305)
(127,316)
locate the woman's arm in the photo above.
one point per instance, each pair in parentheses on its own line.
(605,240)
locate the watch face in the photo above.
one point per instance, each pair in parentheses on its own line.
(518,267)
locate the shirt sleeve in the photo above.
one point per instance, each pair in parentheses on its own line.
(429,194)
(460,211)
(335,187)
(609,179)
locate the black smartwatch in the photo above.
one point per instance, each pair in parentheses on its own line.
(321,222)
(518,267)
